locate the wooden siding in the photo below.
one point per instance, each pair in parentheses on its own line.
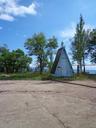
(63,67)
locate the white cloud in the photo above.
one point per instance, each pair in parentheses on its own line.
(1,28)
(88,26)
(70,31)
(6,17)
(25,36)
(9,9)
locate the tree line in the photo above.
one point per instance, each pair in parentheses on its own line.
(83,46)
(13,61)
(17,61)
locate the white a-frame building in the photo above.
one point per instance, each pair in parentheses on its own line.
(62,66)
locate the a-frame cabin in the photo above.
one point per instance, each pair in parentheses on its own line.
(62,66)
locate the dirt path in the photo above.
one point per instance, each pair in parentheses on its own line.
(46,104)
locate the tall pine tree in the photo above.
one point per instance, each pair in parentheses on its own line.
(79,45)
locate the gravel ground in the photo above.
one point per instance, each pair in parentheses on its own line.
(47,104)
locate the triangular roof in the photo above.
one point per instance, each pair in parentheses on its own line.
(57,60)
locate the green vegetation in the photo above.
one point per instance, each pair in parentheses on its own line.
(24,76)
(13,61)
(36,46)
(79,46)
(83,46)
(85,77)
(92,46)
(51,46)
(75,77)
(41,48)
(14,64)
(44,76)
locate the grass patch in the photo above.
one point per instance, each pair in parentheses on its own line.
(26,76)
(21,76)
(85,76)
(45,76)
(73,78)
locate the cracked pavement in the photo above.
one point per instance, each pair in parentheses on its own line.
(46,104)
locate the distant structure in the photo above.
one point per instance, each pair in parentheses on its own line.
(62,66)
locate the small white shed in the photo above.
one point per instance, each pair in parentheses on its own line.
(62,66)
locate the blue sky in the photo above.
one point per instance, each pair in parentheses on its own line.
(20,19)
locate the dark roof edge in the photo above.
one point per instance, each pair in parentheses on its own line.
(56,61)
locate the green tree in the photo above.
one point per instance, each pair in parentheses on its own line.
(4,59)
(92,46)
(79,45)
(51,47)
(14,61)
(20,61)
(36,46)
